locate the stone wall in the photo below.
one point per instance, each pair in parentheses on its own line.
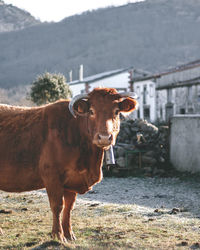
(141,146)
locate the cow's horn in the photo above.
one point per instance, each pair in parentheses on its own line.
(129,94)
(74,100)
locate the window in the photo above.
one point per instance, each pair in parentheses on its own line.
(190,111)
(182,111)
(169,95)
(145,94)
(190,94)
(147,113)
(138,90)
(151,90)
(138,113)
(161,112)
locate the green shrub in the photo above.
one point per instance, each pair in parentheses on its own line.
(49,88)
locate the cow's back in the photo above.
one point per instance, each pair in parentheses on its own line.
(22,134)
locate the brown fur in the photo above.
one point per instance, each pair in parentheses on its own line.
(46,147)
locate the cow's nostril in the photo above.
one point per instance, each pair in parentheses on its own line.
(104,139)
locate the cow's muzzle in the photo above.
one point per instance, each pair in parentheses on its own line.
(103,140)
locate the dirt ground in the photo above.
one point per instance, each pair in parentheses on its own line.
(119,213)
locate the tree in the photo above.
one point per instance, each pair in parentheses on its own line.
(49,88)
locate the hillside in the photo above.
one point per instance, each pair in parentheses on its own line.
(151,35)
(13,18)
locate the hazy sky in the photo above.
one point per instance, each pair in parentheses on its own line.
(56,10)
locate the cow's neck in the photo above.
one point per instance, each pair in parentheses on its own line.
(91,156)
(87,170)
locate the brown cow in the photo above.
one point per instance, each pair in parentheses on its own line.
(59,149)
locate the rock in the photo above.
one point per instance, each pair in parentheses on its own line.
(92,192)
(161,159)
(149,160)
(127,131)
(3,211)
(94,205)
(151,219)
(195,245)
(149,154)
(175,210)
(121,161)
(147,169)
(120,151)
(158,172)
(134,129)
(24,209)
(158,211)
(184,243)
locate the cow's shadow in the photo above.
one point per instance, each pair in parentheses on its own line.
(33,245)
(51,243)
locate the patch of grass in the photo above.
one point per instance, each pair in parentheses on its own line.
(96,227)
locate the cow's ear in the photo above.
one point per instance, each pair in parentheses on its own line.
(128,105)
(81,107)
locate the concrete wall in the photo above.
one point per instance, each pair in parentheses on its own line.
(185,143)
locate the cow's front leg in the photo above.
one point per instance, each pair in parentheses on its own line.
(69,200)
(55,194)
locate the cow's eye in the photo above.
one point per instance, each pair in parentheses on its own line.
(91,112)
(117,111)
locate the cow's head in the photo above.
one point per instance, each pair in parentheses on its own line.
(102,108)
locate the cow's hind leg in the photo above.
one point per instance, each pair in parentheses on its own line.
(69,199)
(55,195)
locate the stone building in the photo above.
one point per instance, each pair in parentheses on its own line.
(175,91)
(178,91)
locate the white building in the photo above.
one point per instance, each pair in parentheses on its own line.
(118,79)
(146,91)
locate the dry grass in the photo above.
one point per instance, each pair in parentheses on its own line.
(26,222)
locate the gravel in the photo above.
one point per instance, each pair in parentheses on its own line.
(149,195)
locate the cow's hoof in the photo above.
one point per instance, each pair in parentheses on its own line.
(70,236)
(59,236)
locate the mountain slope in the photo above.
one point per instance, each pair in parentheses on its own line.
(13,18)
(151,35)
